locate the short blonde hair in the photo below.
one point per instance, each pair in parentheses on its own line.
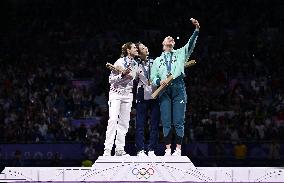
(169,40)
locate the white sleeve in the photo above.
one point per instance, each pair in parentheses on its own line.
(115,76)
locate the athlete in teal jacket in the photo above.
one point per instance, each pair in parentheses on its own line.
(173,99)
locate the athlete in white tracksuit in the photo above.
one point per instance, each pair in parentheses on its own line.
(120,100)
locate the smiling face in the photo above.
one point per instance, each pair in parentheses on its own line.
(143,50)
(133,51)
(168,43)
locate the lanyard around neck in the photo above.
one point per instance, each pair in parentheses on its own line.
(126,65)
(168,63)
(146,72)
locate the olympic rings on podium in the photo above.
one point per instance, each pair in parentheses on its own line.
(143,172)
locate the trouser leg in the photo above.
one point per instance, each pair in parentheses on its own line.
(123,122)
(179,107)
(166,117)
(114,108)
(141,112)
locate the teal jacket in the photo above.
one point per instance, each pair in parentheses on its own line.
(159,70)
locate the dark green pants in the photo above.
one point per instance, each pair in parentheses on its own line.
(172,107)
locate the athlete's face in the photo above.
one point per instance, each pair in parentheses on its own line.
(168,43)
(143,50)
(133,51)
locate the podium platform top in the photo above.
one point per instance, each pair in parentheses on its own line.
(146,159)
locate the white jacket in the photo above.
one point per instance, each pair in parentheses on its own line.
(123,85)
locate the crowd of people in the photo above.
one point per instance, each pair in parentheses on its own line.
(235,91)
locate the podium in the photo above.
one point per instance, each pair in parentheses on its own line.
(159,169)
(133,168)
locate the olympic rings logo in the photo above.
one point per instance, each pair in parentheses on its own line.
(143,172)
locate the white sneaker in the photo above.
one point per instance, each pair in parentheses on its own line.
(121,153)
(151,153)
(107,152)
(168,152)
(177,152)
(141,153)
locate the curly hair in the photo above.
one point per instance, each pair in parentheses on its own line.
(124,49)
(137,46)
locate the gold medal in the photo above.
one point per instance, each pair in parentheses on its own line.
(149,82)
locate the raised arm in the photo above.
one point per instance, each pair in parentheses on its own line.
(188,48)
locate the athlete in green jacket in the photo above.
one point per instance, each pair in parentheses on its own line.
(173,98)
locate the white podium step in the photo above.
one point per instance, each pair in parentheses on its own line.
(143,169)
(133,168)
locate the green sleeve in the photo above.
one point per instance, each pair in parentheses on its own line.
(188,48)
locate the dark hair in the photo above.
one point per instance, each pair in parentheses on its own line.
(137,46)
(124,49)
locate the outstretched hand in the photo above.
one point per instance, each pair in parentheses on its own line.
(195,22)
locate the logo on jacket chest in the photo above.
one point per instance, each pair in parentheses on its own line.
(163,62)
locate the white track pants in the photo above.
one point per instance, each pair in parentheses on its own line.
(119,117)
